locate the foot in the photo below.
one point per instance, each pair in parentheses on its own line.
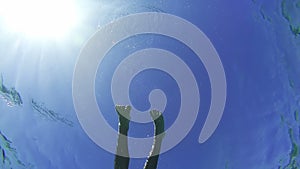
(158,121)
(124,116)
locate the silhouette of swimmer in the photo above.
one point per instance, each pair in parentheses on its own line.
(11,96)
(122,162)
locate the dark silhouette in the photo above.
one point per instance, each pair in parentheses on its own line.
(122,162)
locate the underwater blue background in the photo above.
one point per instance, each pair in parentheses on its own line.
(259,47)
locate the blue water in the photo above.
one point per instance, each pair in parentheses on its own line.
(260,55)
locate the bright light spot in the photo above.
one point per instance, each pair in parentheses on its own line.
(39,18)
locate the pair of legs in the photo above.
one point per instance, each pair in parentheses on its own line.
(122,162)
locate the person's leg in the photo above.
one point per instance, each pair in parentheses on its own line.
(122,162)
(152,160)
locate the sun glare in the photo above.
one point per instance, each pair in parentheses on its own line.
(39,18)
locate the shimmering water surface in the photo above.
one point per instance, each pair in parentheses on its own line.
(258,42)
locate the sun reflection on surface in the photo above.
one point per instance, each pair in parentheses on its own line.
(39,18)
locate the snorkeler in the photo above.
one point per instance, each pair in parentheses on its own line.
(48,114)
(11,96)
(2,87)
(122,162)
(9,156)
